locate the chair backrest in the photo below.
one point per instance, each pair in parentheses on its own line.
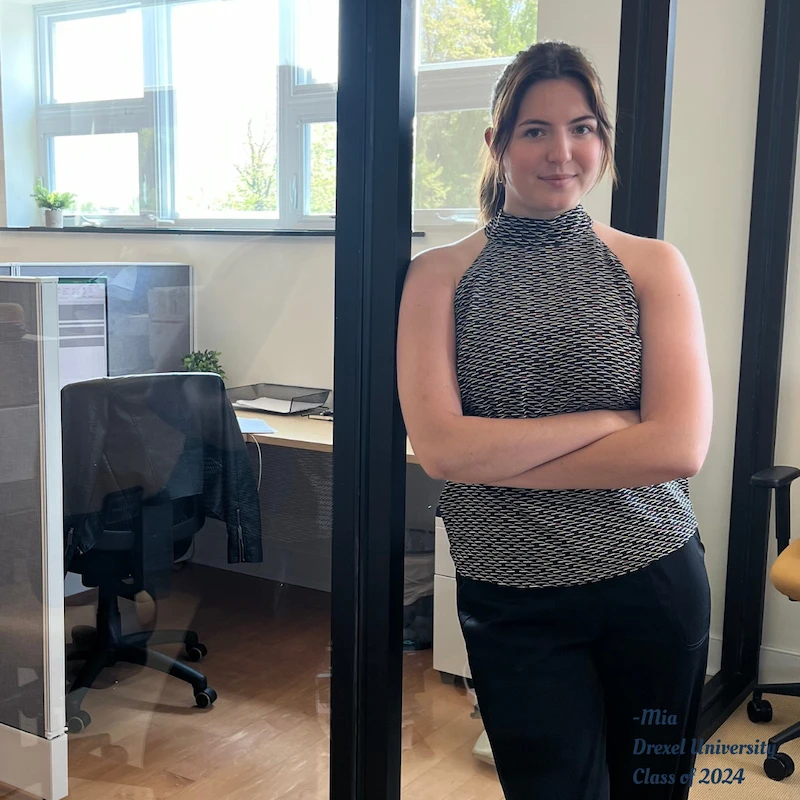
(138,442)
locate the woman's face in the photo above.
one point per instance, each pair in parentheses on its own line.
(554,155)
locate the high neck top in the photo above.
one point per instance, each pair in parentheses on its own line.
(547,323)
(527,230)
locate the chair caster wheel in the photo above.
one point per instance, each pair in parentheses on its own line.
(197,652)
(778,767)
(79,722)
(206,698)
(759,710)
(84,635)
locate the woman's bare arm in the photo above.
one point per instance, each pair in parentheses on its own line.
(449,445)
(673,438)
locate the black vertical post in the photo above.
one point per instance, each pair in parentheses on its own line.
(375,112)
(764,309)
(644,101)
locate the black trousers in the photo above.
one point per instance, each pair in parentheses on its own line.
(592,692)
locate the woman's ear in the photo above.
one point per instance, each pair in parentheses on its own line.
(487,137)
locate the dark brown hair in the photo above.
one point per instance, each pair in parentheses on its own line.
(540,62)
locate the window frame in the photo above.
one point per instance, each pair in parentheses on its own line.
(441,87)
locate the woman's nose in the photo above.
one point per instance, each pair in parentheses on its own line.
(560,151)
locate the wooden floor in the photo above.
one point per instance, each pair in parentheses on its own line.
(266,738)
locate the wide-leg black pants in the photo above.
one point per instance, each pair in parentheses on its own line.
(592,692)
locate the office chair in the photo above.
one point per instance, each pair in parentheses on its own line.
(117,566)
(785,576)
(146,459)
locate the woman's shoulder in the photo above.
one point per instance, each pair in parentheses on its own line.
(449,261)
(640,255)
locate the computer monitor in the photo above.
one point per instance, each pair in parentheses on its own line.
(82,328)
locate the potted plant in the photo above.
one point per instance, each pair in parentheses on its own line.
(53,204)
(204,361)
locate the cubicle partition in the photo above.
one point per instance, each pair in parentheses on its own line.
(150,322)
(33,742)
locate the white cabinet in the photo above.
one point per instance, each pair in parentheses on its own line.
(449,650)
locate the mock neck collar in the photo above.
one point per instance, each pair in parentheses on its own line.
(522,230)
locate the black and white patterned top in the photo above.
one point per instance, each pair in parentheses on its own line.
(547,323)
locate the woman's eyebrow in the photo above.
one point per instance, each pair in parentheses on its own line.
(584,118)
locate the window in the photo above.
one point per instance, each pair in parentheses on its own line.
(221,113)
(189,113)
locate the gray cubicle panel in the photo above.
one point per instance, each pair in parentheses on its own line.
(149,312)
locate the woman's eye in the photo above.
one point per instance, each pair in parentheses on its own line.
(583,130)
(534,133)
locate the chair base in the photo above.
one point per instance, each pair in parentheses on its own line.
(106,645)
(778,766)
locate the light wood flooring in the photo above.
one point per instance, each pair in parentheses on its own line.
(267,736)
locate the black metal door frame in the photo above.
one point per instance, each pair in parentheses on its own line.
(645,89)
(375,114)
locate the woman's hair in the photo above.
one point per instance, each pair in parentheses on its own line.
(540,62)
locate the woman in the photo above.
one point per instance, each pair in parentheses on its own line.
(553,371)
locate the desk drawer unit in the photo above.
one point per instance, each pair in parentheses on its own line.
(449,650)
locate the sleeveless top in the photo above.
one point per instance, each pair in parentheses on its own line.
(547,323)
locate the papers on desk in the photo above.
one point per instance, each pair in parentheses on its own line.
(273,405)
(254,426)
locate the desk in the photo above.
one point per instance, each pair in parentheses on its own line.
(303,433)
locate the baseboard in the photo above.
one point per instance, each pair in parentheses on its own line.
(776,666)
(33,764)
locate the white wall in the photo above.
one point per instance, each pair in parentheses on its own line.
(265,302)
(782,623)
(18,78)
(709,186)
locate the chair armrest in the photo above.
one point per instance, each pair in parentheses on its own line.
(780,479)
(775,477)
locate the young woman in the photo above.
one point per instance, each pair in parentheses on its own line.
(553,371)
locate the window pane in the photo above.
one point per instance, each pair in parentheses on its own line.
(98,58)
(316,43)
(447,162)
(463,30)
(102,170)
(321,158)
(225,108)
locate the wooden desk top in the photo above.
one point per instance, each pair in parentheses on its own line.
(292,430)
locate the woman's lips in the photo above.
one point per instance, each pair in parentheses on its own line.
(557,181)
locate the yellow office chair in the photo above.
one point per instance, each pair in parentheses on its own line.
(785,576)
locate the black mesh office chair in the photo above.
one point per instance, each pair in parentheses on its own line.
(785,576)
(146,460)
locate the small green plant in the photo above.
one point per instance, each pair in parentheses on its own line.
(51,200)
(204,361)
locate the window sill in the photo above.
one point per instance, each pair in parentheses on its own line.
(185,231)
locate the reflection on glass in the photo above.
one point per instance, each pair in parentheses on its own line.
(321,156)
(21,580)
(97,57)
(447,159)
(316,41)
(101,170)
(469,30)
(226,163)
